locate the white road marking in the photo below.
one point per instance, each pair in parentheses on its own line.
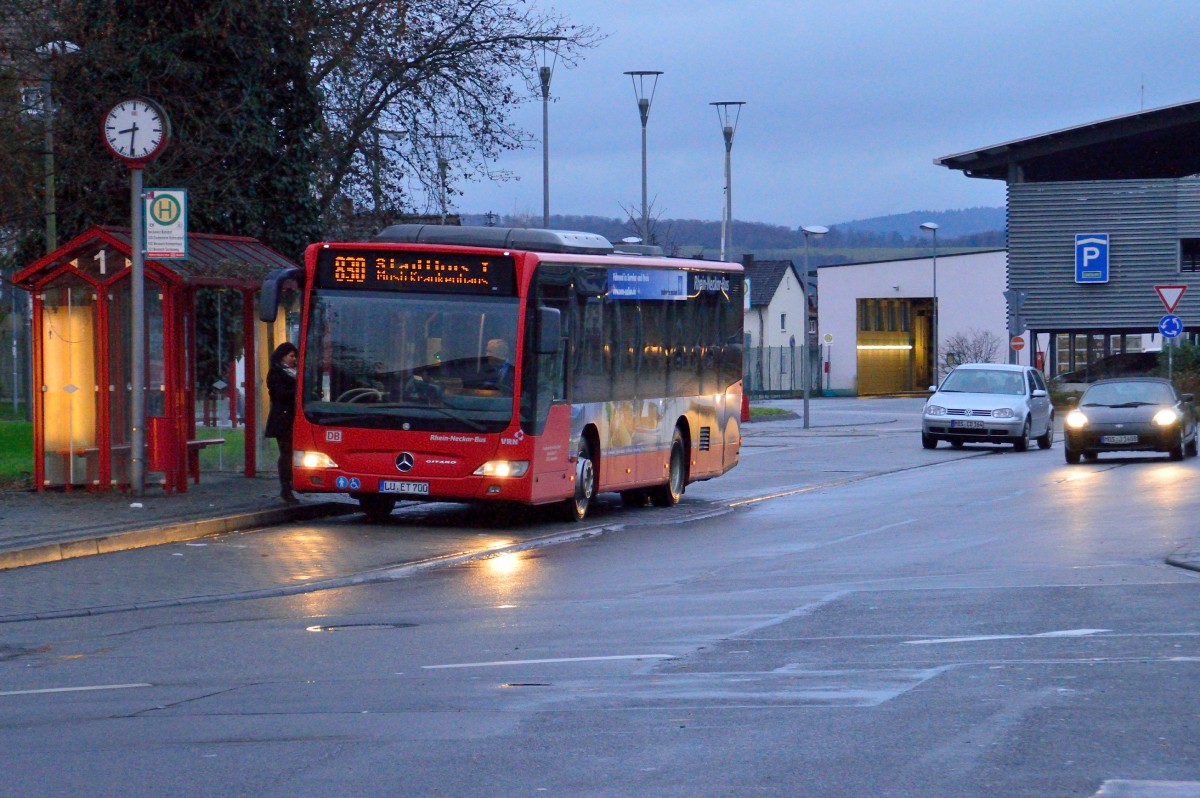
(978,638)
(546,661)
(75,689)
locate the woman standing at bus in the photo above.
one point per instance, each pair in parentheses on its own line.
(281,387)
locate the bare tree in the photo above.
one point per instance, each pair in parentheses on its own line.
(418,94)
(972,346)
(659,234)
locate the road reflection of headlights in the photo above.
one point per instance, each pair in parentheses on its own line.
(1076,420)
(505,564)
(1166,417)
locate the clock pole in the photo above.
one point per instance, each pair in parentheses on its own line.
(137,329)
(120,128)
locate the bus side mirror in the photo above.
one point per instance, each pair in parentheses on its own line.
(272,287)
(549,330)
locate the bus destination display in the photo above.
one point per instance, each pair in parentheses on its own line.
(433,272)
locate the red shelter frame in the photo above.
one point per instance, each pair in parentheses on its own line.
(80,335)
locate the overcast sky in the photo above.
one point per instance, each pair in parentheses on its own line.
(848,102)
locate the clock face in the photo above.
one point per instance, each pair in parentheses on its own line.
(136,129)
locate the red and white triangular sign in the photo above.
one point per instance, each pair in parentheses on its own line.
(1170,295)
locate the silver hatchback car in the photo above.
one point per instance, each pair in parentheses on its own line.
(989,403)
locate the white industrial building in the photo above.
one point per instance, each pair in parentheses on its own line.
(875,320)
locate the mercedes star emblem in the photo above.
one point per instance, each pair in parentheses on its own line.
(405,462)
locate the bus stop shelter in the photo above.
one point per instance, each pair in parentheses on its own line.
(201,337)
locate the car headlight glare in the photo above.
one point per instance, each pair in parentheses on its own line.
(1076,420)
(1003,412)
(312,460)
(1166,417)
(935,410)
(504,469)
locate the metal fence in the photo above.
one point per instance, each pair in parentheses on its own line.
(775,371)
(14,352)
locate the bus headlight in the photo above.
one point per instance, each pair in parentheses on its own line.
(312,460)
(503,468)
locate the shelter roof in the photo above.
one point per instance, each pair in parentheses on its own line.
(212,259)
(1159,143)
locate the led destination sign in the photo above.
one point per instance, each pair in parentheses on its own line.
(434,272)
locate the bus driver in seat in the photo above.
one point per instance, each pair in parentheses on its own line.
(498,370)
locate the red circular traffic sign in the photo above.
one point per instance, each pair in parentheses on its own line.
(1017,343)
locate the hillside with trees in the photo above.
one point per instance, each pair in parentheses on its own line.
(877,238)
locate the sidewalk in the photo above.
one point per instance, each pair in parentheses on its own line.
(56,525)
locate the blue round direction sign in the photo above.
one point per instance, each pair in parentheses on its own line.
(1170,326)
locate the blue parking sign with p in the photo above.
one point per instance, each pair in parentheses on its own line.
(1091,258)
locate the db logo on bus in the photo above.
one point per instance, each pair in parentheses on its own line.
(515,439)
(333,436)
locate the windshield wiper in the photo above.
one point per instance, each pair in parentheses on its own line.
(372,419)
(475,425)
(1134,404)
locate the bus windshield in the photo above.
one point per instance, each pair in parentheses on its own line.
(412,362)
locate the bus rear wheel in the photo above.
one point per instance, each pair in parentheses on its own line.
(668,495)
(575,508)
(377,508)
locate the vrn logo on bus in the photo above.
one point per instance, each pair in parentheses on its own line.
(515,439)
(1091,258)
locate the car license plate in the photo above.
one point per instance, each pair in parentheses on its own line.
(954,424)
(397,486)
(1118,439)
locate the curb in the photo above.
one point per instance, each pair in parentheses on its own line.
(170,533)
(1186,557)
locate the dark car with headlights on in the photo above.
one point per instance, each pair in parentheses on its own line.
(1131,414)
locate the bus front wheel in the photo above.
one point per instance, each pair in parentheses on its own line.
(585,484)
(668,495)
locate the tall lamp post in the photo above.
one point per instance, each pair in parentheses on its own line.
(443,167)
(932,227)
(810,231)
(727,114)
(641,80)
(47,52)
(549,57)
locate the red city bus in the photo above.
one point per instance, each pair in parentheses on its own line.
(518,365)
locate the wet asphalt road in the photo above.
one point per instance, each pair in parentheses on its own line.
(843,615)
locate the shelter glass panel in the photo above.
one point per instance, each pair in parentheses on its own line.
(69,405)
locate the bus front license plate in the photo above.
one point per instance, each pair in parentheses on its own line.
(396,486)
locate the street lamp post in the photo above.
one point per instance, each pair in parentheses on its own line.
(932,227)
(48,52)
(545,72)
(641,80)
(810,231)
(443,167)
(727,114)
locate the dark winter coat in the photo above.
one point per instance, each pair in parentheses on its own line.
(281,387)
